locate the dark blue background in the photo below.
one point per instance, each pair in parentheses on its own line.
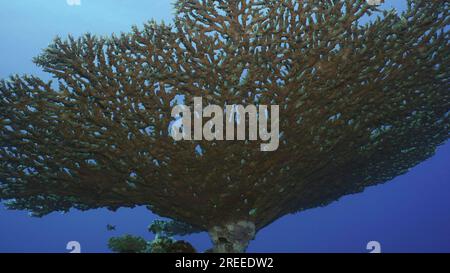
(409,214)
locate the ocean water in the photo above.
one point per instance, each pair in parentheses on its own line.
(409,214)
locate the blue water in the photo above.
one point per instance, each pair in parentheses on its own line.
(409,214)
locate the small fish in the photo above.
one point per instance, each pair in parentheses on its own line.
(110,227)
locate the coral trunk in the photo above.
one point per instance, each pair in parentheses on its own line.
(232,237)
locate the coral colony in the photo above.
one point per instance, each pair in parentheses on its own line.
(359,104)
